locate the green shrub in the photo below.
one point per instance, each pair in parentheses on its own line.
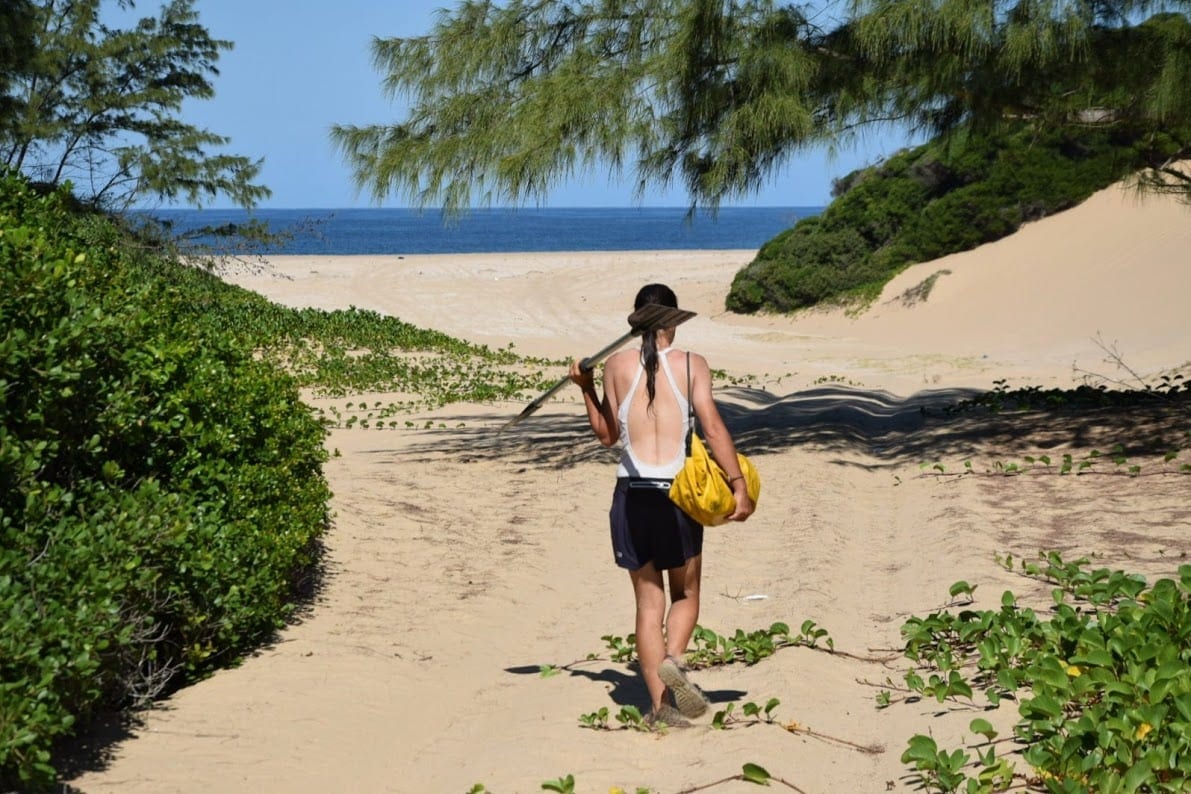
(946,196)
(160,489)
(161,492)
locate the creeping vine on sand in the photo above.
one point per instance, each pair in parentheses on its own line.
(1103,685)
(749,773)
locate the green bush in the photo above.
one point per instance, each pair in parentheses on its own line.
(160,489)
(946,196)
(161,492)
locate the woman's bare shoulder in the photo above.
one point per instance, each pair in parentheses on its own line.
(697,359)
(700,371)
(621,359)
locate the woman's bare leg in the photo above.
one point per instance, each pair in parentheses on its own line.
(651,613)
(684,606)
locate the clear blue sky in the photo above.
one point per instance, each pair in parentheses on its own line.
(300,66)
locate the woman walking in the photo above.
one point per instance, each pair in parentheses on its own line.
(645,407)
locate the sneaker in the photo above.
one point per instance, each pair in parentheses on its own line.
(689,699)
(666,717)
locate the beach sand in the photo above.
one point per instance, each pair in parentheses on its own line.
(462,560)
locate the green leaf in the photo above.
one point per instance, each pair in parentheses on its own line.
(563,785)
(1137,774)
(629,714)
(1043,706)
(1051,673)
(1096,657)
(961,587)
(1183,704)
(921,748)
(753,773)
(983,727)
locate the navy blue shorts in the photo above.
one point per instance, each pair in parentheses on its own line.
(648,527)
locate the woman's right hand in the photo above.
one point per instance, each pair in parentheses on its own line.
(583,378)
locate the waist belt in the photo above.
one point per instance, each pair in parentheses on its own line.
(641,482)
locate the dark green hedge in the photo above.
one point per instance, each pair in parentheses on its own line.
(161,492)
(940,198)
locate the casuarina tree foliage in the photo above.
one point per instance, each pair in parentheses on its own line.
(100,107)
(509,99)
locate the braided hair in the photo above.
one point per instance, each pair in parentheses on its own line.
(664,296)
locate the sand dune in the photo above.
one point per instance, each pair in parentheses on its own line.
(461,561)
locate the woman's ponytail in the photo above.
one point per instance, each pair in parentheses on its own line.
(664,296)
(649,358)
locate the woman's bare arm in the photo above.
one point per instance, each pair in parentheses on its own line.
(601,413)
(719,440)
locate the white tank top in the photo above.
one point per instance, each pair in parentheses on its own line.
(630,466)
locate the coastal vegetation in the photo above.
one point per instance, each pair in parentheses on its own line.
(161,485)
(85,101)
(1100,679)
(1029,110)
(161,488)
(161,493)
(952,194)
(1102,685)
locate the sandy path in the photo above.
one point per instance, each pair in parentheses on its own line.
(461,561)
(417,667)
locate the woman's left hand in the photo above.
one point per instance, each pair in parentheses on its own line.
(744,507)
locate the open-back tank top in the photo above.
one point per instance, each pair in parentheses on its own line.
(630,465)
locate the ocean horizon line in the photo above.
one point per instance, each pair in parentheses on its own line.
(441,210)
(404,230)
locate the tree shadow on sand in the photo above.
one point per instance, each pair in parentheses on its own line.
(94,748)
(893,430)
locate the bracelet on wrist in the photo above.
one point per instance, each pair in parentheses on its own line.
(734,479)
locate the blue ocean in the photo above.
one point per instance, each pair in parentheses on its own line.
(408,231)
